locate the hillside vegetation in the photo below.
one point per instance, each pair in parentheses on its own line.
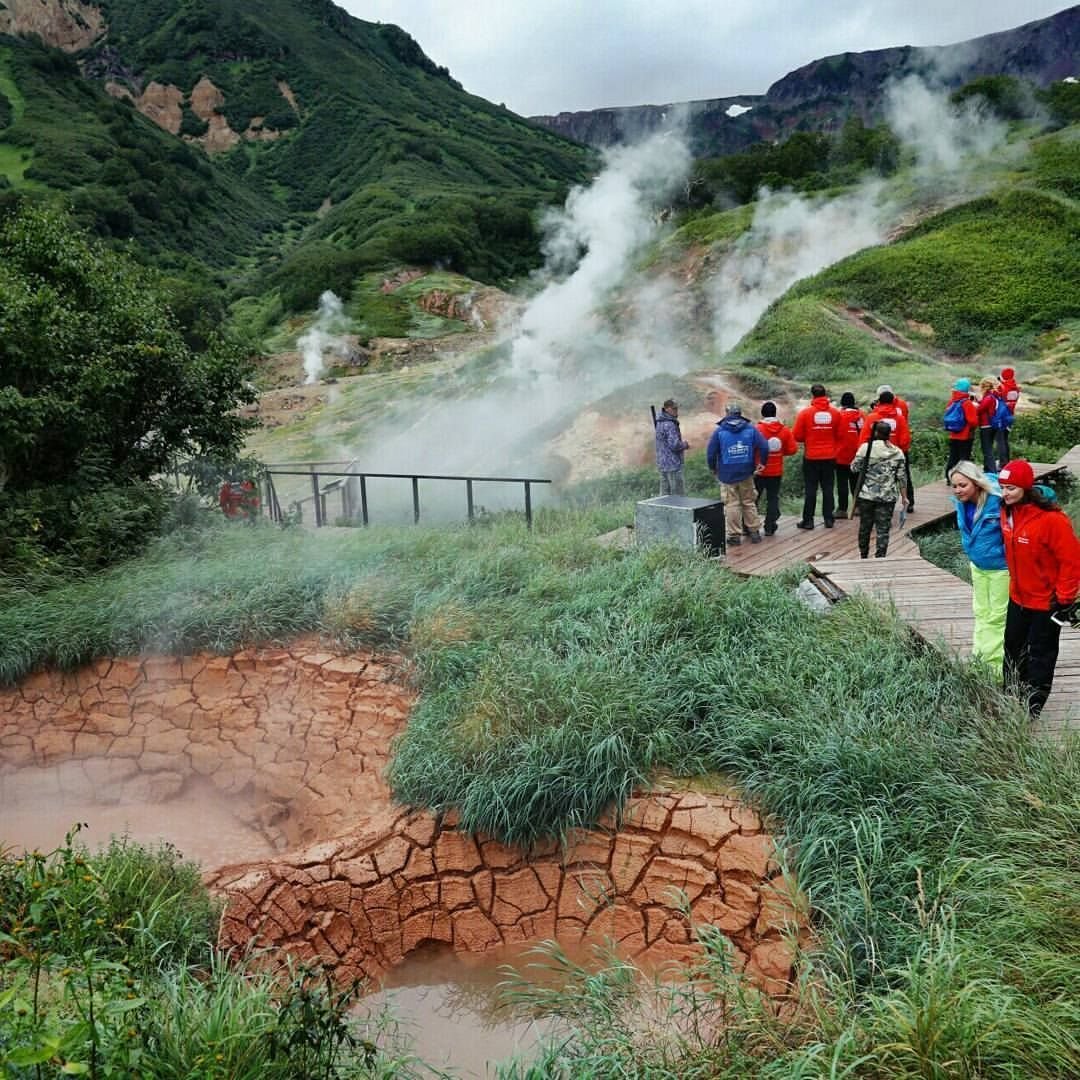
(990,276)
(374,154)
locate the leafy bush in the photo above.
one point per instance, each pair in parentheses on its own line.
(1055,425)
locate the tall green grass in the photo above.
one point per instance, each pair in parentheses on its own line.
(108,968)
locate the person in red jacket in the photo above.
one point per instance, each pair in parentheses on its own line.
(1008,388)
(781,444)
(962,439)
(893,411)
(854,420)
(901,406)
(1009,391)
(1043,556)
(985,407)
(820,428)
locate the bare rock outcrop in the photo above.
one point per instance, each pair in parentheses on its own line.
(71,25)
(162,103)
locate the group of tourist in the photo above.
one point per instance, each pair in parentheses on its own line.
(1024,554)
(748,461)
(989,411)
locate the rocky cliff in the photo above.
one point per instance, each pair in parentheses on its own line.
(821,94)
(70,25)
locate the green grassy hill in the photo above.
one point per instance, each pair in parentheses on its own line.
(993,279)
(378,156)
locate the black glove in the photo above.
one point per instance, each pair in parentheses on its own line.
(1066,614)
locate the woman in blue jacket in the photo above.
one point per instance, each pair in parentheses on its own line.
(978,516)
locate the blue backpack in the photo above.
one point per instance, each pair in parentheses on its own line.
(1003,418)
(954,418)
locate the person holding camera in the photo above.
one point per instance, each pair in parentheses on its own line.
(1043,556)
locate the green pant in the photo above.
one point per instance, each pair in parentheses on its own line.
(989,603)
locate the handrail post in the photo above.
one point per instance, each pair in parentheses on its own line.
(469,499)
(416,500)
(528,505)
(317,499)
(363,499)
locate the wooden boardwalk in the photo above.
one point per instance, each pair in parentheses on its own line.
(933,601)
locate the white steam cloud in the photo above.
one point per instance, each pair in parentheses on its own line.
(596,234)
(323,336)
(597,323)
(793,236)
(591,327)
(943,136)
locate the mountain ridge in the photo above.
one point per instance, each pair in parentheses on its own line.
(821,94)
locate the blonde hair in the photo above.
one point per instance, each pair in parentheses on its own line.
(987,384)
(975,474)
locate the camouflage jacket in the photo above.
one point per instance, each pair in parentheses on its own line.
(884,479)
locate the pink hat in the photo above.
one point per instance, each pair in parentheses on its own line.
(1017,474)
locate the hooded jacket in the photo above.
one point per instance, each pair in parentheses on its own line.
(741,444)
(981,538)
(820,428)
(885,471)
(670,447)
(781,445)
(1009,389)
(971,415)
(896,418)
(1043,556)
(854,421)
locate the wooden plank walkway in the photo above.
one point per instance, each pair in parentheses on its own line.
(936,603)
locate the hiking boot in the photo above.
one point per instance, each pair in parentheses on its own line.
(829,523)
(804,525)
(864,554)
(734,541)
(770,530)
(755,538)
(879,554)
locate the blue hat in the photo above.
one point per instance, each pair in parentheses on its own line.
(963,385)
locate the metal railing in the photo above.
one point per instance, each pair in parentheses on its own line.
(352,487)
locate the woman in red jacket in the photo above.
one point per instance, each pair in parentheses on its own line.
(1043,555)
(986,406)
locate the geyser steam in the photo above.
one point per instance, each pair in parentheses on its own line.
(322,335)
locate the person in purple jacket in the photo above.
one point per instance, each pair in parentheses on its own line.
(670,449)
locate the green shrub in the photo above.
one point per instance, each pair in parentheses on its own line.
(1055,425)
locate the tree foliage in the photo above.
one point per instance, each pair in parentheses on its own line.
(98,387)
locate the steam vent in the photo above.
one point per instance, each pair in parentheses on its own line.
(295,741)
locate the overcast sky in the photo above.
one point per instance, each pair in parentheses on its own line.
(548,56)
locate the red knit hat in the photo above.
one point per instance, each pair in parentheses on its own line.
(1008,373)
(1017,474)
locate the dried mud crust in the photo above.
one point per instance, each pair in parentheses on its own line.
(301,736)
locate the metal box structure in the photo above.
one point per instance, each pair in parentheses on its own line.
(677,519)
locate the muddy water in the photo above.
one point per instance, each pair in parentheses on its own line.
(449,1013)
(204,825)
